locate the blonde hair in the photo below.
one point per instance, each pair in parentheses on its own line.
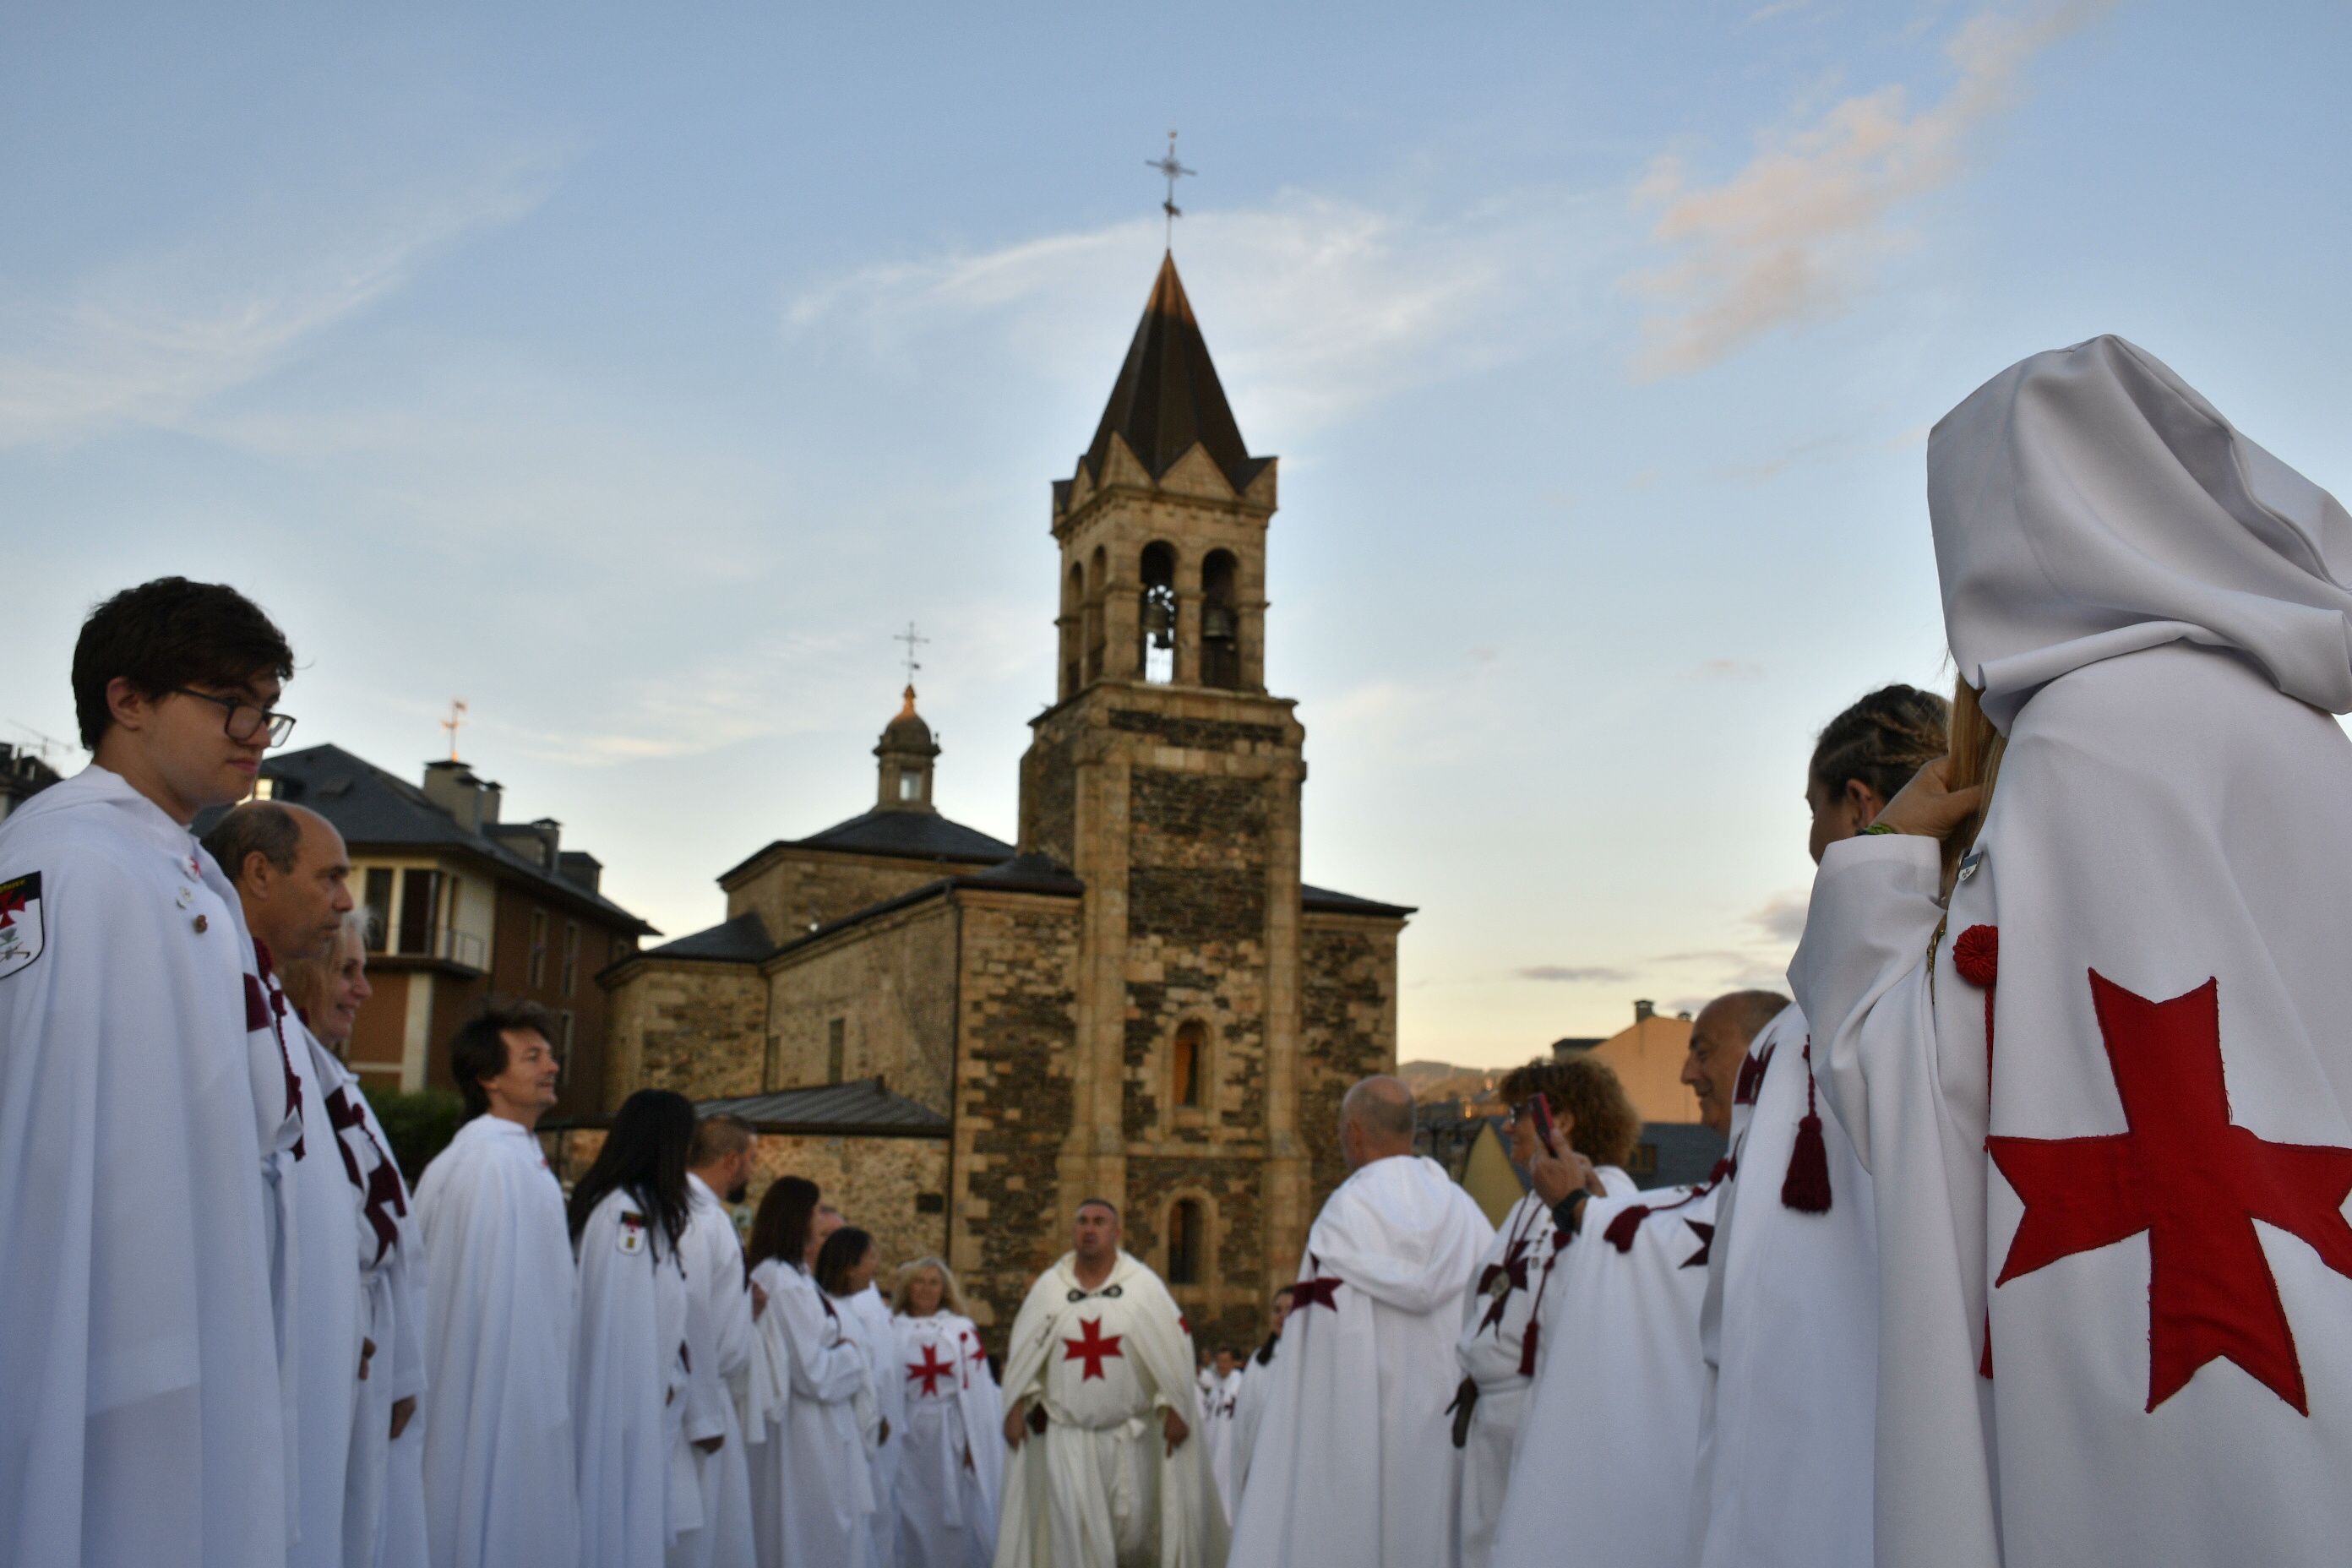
(950,1294)
(308,980)
(1976,749)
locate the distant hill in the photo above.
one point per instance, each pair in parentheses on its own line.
(1443,1080)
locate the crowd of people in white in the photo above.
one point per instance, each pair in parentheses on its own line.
(1920,1312)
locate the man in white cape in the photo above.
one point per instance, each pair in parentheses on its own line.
(140,1412)
(1790,1329)
(722,1164)
(1105,1466)
(1353,1463)
(1608,1449)
(2080,1084)
(500,1303)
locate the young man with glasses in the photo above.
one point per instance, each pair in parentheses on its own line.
(147,1111)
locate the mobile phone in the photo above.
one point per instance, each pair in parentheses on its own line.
(1537,1110)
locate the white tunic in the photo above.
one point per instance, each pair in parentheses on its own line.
(2137,1002)
(1608,1446)
(953,1465)
(722,1359)
(812,1492)
(628,1389)
(1099,1485)
(869,1317)
(1789,1337)
(1220,1404)
(501,1305)
(142,1420)
(1493,1350)
(1352,1463)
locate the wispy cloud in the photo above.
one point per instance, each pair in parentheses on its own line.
(1796,233)
(152,339)
(1782,916)
(1322,306)
(1574,974)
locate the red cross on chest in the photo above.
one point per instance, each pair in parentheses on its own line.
(930,1370)
(1513,1268)
(1092,1347)
(2192,1179)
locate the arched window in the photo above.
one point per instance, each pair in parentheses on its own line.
(1074,615)
(1187,1242)
(1097,574)
(1221,631)
(1157,622)
(1185,1065)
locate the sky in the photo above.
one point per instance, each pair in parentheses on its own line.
(635,378)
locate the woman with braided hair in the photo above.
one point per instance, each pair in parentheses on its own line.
(1790,1328)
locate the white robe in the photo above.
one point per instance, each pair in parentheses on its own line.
(141,1421)
(1249,1412)
(947,1509)
(869,1317)
(811,1491)
(1608,1445)
(1790,1336)
(722,1359)
(1220,1405)
(1352,1463)
(500,1304)
(629,1389)
(1099,1485)
(2151,898)
(1492,1352)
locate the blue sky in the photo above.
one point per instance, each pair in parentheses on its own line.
(635,379)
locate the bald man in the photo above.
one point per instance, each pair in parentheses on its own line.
(291,875)
(1353,1459)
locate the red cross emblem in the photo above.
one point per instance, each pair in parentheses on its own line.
(1705,1234)
(1093,1348)
(1322,1292)
(1513,1268)
(2196,1182)
(11,906)
(931,1369)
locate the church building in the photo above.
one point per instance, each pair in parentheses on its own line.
(960,1038)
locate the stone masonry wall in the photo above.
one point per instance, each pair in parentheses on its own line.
(1348,1029)
(893,1187)
(1013,1098)
(697,1028)
(1049,799)
(801,888)
(890,982)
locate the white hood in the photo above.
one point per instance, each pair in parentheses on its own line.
(2087,503)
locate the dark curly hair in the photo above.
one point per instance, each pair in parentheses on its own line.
(1606,1125)
(171,633)
(1881,740)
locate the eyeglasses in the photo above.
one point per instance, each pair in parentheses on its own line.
(244,721)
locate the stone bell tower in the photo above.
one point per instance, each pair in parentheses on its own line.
(1169,780)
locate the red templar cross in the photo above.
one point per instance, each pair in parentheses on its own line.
(2196,1182)
(1093,1348)
(930,1371)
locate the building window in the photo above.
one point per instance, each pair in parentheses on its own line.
(1184,1066)
(538,966)
(563,1027)
(1157,659)
(836,1049)
(1220,648)
(378,903)
(571,955)
(910,787)
(420,898)
(1186,1241)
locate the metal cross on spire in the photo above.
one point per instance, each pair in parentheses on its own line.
(1172,171)
(913,640)
(457,717)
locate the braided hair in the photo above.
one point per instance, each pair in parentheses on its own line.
(1881,740)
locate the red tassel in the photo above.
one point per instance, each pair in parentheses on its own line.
(1806,1187)
(1625,1226)
(1528,1350)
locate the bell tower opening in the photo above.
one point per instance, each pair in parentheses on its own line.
(1157,614)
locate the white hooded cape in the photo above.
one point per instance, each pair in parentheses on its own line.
(141,1421)
(947,1509)
(1100,1475)
(867,1317)
(1609,1442)
(2140,995)
(722,1341)
(812,1492)
(500,1318)
(1350,1463)
(1789,1335)
(630,1356)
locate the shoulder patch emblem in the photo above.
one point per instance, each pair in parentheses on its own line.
(21,929)
(633,1231)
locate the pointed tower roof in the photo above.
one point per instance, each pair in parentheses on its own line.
(1168,396)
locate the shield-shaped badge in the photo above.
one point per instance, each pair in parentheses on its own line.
(21,931)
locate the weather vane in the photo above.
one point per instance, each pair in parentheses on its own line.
(457,717)
(913,641)
(1172,171)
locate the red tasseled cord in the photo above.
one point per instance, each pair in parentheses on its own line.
(1528,1350)
(1806,1188)
(1976,956)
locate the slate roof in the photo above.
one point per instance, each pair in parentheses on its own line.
(863,1108)
(907,834)
(1325,900)
(741,940)
(372,808)
(1168,395)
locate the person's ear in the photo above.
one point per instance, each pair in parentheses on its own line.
(1865,802)
(255,871)
(127,705)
